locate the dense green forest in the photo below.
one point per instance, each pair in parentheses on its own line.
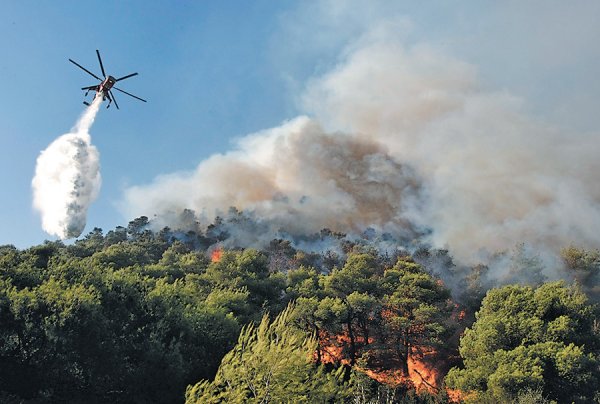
(141,316)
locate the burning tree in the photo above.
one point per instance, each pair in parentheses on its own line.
(356,287)
(392,320)
(416,307)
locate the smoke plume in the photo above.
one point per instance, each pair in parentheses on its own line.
(296,178)
(405,140)
(67,178)
(493,176)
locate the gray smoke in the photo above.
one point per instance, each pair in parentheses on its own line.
(67,179)
(493,176)
(404,140)
(295,177)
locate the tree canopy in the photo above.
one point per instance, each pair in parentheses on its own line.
(531,338)
(271,363)
(139,316)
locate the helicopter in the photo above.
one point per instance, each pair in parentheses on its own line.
(106,85)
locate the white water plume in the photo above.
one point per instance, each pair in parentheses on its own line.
(67,178)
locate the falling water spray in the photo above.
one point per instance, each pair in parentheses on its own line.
(67,178)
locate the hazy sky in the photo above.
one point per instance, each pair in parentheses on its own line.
(215,71)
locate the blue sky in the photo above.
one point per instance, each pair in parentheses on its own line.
(203,70)
(214,71)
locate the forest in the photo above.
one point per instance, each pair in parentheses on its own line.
(138,315)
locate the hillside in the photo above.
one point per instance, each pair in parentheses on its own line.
(137,315)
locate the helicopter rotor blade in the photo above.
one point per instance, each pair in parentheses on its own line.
(85,70)
(113,99)
(131,95)
(126,77)
(100,60)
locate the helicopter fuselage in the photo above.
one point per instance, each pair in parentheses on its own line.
(107,84)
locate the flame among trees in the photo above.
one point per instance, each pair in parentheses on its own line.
(385,318)
(216,255)
(117,314)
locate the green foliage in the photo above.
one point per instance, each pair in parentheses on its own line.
(577,259)
(133,316)
(584,266)
(417,308)
(363,308)
(527,338)
(357,275)
(271,362)
(111,320)
(136,316)
(121,255)
(248,271)
(529,396)
(302,282)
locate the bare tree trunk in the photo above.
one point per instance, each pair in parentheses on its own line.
(319,357)
(404,355)
(352,341)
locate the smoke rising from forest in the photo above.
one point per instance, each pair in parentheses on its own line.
(408,141)
(67,178)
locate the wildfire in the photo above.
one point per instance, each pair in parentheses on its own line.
(423,374)
(425,368)
(457,396)
(216,255)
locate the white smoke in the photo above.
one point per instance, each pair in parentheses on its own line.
(493,175)
(404,137)
(67,178)
(297,177)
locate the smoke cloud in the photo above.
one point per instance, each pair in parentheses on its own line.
(295,177)
(493,176)
(67,178)
(408,141)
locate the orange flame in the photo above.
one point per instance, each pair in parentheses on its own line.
(423,372)
(457,396)
(426,366)
(216,255)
